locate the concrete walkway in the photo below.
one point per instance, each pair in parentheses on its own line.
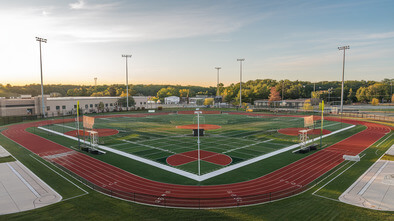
(21,189)
(375,188)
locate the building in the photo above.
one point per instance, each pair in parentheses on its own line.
(172,100)
(297,103)
(22,106)
(55,106)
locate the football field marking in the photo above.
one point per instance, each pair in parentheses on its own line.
(191,175)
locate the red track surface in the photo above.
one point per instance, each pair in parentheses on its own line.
(278,184)
(295,131)
(191,156)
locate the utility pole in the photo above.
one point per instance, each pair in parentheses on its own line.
(344,48)
(42,84)
(240,80)
(127,82)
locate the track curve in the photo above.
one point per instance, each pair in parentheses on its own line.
(281,183)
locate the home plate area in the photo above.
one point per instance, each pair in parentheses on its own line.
(191,156)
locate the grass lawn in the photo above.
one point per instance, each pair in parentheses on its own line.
(6,159)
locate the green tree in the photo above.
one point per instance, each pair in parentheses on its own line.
(112,91)
(208,101)
(100,107)
(123,101)
(374,101)
(351,96)
(166,92)
(361,94)
(184,92)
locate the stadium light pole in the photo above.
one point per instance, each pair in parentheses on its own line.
(343,73)
(217,92)
(240,80)
(42,85)
(198,139)
(127,81)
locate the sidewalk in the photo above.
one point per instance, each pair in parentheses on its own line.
(21,189)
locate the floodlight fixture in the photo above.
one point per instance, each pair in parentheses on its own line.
(344,48)
(240,80)
(42,84)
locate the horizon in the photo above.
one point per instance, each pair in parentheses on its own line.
(181,43)
(92,85)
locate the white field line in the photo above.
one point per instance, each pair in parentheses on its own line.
(362,191)
(24,181)
(331,125)
(61,125)
(152,147)
(207,175)
(247,146)
(384,140)
(314,193)
(106,119)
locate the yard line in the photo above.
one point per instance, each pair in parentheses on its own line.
(331,125)
(144,145)
(61,125)
(247,146)
(107,119)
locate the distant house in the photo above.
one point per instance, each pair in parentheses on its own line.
(172,100)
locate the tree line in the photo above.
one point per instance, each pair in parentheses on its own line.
(330,91)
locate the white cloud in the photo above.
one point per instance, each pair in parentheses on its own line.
(78,5)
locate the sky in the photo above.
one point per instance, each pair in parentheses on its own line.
(182,41)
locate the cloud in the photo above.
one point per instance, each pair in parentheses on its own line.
(384,35)
(78,5)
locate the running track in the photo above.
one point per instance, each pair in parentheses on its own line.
(281,183)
